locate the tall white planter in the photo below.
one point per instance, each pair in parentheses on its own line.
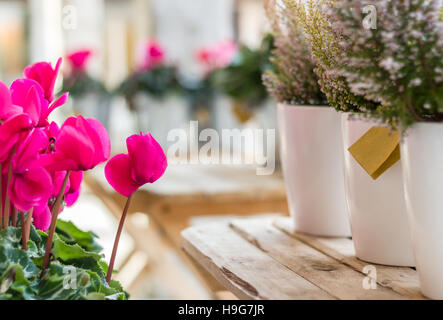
(312,161)
(377,209)
(422,159)
(160,116)
(94,105)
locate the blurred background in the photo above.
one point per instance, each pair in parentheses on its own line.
(212,55)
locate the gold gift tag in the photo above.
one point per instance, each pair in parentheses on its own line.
(242,112)
(377,150)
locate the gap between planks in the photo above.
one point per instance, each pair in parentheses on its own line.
(402,280)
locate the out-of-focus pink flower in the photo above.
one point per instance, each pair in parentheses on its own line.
(31,184)
(7,109)
(217,56)
(29,95)
(79,59)
(81,145)
(144,163)
(154,55)
(45,75)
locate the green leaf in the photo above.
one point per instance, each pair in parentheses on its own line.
(95,296)
(62,283)
(10,255)
(13,280)
(70,234)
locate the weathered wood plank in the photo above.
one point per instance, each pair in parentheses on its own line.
(327,273)
(244,269)
(402,280)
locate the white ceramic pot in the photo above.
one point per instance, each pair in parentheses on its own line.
(312,161)
(159,116)
(377,210)
(94,105)
(422,159)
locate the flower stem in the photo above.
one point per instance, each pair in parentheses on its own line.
(117,239)
(27,226)
(24,242)
(8,201)
(14,216)
(54,215)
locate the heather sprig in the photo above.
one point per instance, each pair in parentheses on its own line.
(325,42)
(399,63)
(292,79)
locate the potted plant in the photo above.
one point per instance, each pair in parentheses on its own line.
(310,132)
(90,96)
(378,222)
(408,82)
(154,92)
(41,166)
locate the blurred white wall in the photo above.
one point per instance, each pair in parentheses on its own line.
(45,30)
(252,22)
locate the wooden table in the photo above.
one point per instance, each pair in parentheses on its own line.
(263,258)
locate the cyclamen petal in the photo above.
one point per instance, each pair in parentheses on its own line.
(33,105)
(41,216)
(144,163)
(57,103)
(73,191)
(7,109)
(19,92)
(45,75)
(147,159)
(81,145)
(10,133)
(30,189)
(118,174)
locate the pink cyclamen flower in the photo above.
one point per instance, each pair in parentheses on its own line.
(144,163)
(45,75)
(31,184)
(79,59)
(81,145)
(217,56)
(29,95)
(154,55)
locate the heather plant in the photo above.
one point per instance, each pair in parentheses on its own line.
(292,79)
(325,43)
(399,63)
